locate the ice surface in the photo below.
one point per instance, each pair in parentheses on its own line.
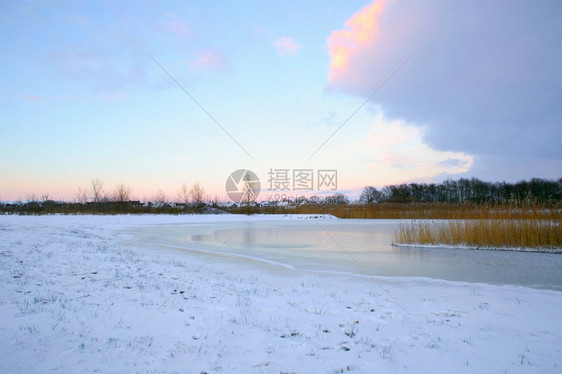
(361,247)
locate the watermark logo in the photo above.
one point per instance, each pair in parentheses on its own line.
(243,186)
(302,179)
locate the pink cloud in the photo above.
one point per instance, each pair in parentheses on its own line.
(347,43)
(208,60)
(286,46)
(176,25)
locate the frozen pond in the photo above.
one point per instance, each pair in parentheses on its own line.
(357,247)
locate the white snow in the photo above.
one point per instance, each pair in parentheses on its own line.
(76,297)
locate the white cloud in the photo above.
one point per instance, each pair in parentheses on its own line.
(104,70)
(286,46)
(395,152)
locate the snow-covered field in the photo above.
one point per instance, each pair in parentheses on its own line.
(75,297)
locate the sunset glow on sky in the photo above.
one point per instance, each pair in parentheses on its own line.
(359,31)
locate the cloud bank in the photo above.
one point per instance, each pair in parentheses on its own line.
(485,77)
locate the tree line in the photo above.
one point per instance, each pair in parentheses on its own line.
(94,199)
(538,190)
(121,194)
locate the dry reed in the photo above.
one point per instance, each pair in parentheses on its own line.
(525,227)
(435,211)
(515,225)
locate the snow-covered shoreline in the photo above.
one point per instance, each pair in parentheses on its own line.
(75,298)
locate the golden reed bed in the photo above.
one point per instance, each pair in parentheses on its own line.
(536,234)
(527,226)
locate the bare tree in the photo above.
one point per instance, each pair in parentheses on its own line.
(183,194)
(121,194)
(160,198)
(97,190)
(31,198)
(371,195)
(338,198)
(197,194)
(81,196)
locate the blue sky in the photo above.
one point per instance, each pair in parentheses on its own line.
(82,99)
